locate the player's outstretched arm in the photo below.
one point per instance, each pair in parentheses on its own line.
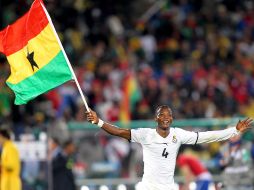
(212,136)
(109,128)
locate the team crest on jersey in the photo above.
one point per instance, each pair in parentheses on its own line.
(174,140)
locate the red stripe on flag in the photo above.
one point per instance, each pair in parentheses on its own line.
(1,39)
(15,36)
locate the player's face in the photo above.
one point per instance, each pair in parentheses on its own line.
(164,118)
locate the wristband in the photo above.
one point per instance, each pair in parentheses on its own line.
(100,123)
(238,132)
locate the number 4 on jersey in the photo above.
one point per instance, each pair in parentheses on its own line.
(165,153)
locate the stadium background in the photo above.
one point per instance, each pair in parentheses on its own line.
(129,57)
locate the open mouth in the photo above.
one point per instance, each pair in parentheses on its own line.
(166,122)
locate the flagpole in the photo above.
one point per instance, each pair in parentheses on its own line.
(65,56)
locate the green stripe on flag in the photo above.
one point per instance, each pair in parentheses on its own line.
(50,76)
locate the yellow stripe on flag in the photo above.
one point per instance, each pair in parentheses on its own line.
(45,48)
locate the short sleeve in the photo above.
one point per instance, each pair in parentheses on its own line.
(138,135)
(187,137)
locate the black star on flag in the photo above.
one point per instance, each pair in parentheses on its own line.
(30,57)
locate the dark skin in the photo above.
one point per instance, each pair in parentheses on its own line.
(111,129)
(164,119)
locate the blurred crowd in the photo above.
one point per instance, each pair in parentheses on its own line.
(196,56)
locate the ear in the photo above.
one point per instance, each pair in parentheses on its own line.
(156,119)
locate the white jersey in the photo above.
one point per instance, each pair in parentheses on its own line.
(159,154)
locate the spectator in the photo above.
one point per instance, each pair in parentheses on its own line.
(238,165)
(192,169)
(54,148)
(116,151)
(10,163)
(62,165)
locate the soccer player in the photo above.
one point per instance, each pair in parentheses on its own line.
(160,145)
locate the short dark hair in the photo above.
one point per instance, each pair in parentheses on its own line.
(160,107)
(67,143)
(5,133)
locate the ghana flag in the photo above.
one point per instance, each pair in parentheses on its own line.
(37,60)
(131,95)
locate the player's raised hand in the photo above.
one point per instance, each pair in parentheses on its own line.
(244,125)
(92,117)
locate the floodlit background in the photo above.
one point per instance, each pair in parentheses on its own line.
(129,56)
